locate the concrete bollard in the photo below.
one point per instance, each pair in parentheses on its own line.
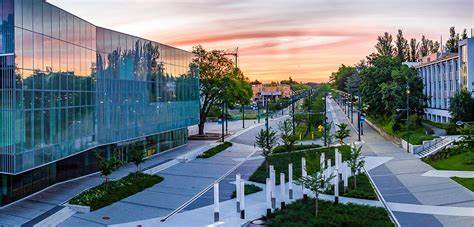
(268,191)
(336,158)
(282,191)
(322,161)
(237,190)
(242,199)
(290,181)
(336,189)
(273,189)
(345,177)
(216,202)
(303,174)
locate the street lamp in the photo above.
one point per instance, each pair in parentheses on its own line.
(408,116)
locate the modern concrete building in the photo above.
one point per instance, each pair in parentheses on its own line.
(69,89)
(445,74)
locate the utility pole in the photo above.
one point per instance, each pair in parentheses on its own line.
(258,112)
(226,121)
(266,114)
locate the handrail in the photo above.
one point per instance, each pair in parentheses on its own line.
(384,203)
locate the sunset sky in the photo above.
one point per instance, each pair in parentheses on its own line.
(278,38)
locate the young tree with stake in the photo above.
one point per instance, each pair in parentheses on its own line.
(266,140)
(286,135)
(315,181)
(355,162)
(342,133)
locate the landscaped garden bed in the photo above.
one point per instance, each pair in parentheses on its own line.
(113,191)
(281,161)
(249,189)
(363,190)
(215,150)
(282,149)
(302,213)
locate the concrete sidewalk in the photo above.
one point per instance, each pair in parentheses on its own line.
(400,180)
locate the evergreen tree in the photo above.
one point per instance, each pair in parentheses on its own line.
(464,34)
(401,45)
(384,45)
(424,46)
(453,41)
(413,50)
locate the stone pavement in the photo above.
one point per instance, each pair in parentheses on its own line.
(400,180)
(449,173)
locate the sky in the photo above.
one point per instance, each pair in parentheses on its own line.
(304,39)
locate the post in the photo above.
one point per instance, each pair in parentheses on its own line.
(322,161)
(222,121)
(243,116)
(329,163)
(352,109)
(336,187)
(293,113)
(266,115)
(336,160)
(309,109)
(345,177)
(290,181)
(303,174)
(268,193)
(273,189)
(216,202)
(226,121)
(282,191)
(325,119)
(358,116)
(237,190)
(242,199)
(408,115)
(258,112)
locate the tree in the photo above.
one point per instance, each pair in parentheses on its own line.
(384,45)
(340,77)
(107,166)
(355,162)
(401,47)
(316,181)
(352,84)
(286,134)
(453,41)
(413,55)
(464,34)
(137,155)
(424,46)
(434,47)
(255,82)
(266,140)
(342,132)
(218,79)
(461,106)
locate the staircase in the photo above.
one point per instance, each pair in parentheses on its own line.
(56,218)
(437,146)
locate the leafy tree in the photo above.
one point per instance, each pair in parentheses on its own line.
(107,166)
(464,34)
(255,82)
(218,80)
(401,46)
(353,83)
(413,56)
(266,141)
(453,41)
(384,45)
(355,162)
(286,134)
(342,132)
(340,77)
(137,155)
(424,46)
(316,182)
(461,106)
(434,47)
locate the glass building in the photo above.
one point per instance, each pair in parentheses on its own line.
(69,89)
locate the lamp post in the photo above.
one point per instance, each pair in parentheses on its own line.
(243,116)
(359,115)
(408,115)
(222,121)
(258,112)
(325,118)
(293,112)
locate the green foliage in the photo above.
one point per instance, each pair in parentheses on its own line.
(363,190)
(266,140)
(215,150)
(301,214)
(461,106)
(451,128)
(249,189)
(401,47)
(137,155)
(452,159)
(286,134)
(466,182)
(315,181)
(355,162)
(107,166)
(282,149)
(415,134)
(281,161)
(113,191)
(338,79)
(342,132)
(384,45)
(453,41)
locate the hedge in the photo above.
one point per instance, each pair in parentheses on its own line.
(215,150)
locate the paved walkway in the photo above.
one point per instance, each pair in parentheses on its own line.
(449,173)
(400,180)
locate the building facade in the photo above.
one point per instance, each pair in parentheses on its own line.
(444,75)
(270,91)
(69,89)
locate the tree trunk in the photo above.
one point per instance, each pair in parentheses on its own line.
(316,205)
(201,128)
(355,181)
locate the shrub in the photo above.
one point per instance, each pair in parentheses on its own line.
(282,149)
(215,150)
(249,189)
(113,191)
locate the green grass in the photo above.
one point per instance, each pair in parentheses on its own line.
(363,190)
(416,135)
(462,161)
(215,150)
(451,128)
(249,189)
(301,214)
(301,133)
(466,182)
(281,161)
(113,191)
(281,149)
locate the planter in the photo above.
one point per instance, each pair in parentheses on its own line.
(79,208)
(385,135)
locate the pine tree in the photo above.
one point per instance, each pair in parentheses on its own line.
(401,45)
(413,55)
(384,45)
(453,41)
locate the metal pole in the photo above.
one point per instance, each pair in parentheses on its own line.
(352,109)
(243,116)
(309,111)
(258,112)
(408,115)
(226,122)
(222,121)
(266,114)
(293,112)
(325,119)
(358,116)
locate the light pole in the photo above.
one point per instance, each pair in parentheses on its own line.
(325,118)
(243,116)
(258,112)
(266,114)
(293,112)
(408,115)
(222,121)
(359,115)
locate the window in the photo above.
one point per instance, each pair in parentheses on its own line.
(38,16)
(55,22)
(28,14)
(47,19)
(38,52)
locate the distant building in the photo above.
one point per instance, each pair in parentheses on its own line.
(445,74)
(271,91)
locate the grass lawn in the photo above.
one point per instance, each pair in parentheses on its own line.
(281,161)
(282,148)
(215,150)
(363,190)
(113,191)
(301,133)
(415,136)
(453,162)
(301,214)
(249,189)
(466,182)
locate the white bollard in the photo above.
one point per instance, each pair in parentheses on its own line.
(322,161)
(237,190)
(345,177)
(271,169)
(282,191)
(273,189)
(336,188)
(336,158)
(268,191)
(216,202)
(290,181)
(242,199)
(329,163)
(303,174)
